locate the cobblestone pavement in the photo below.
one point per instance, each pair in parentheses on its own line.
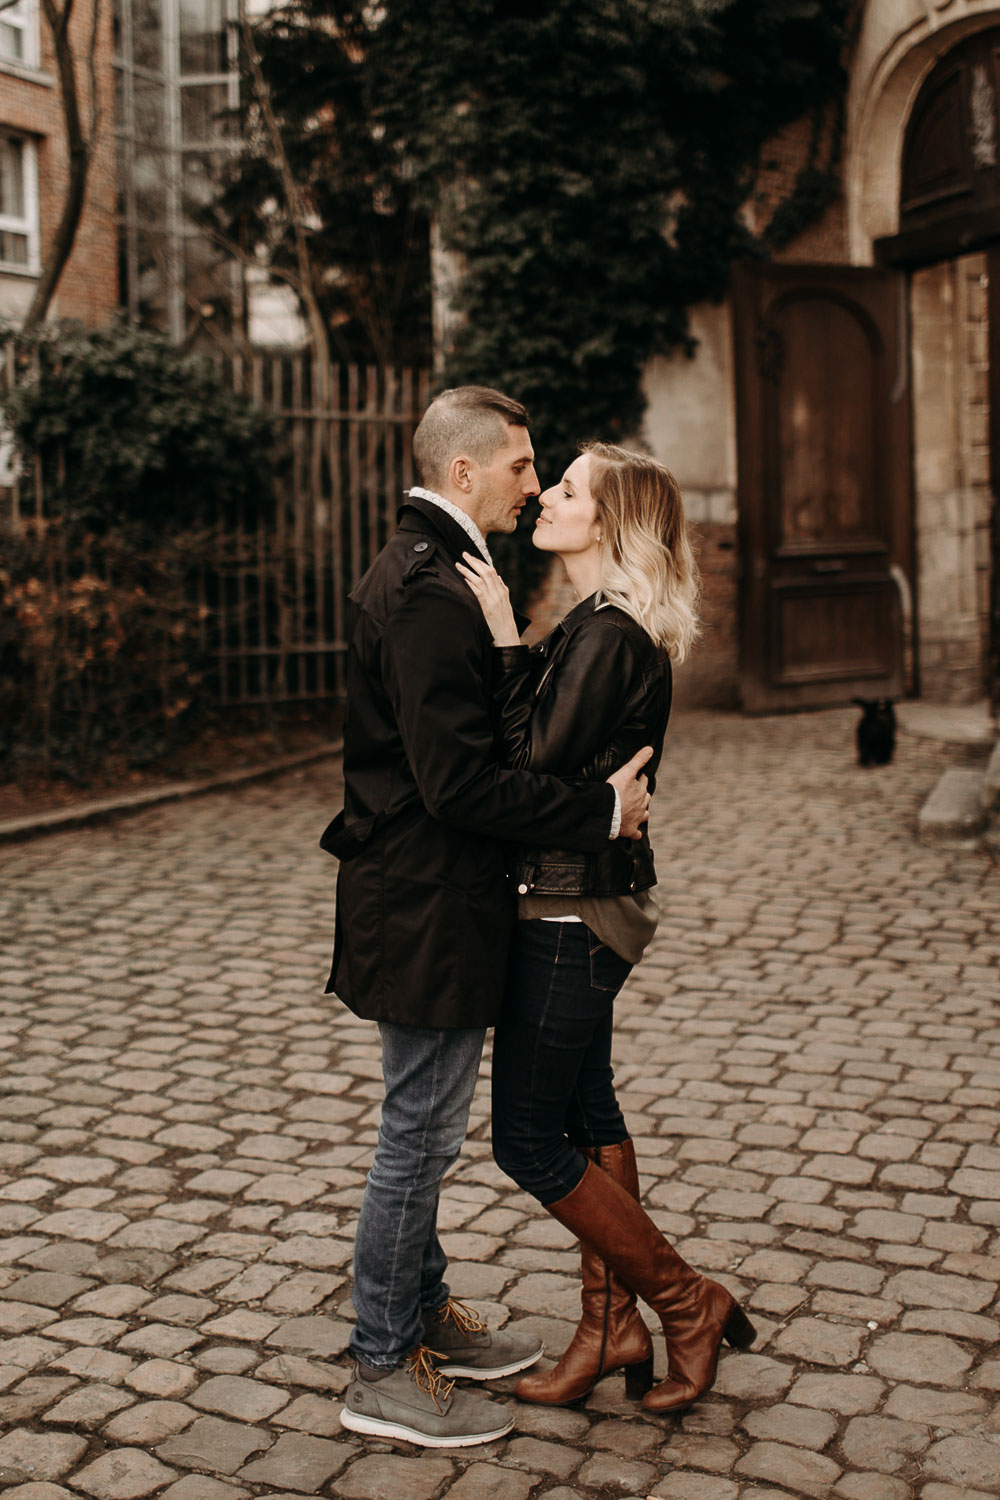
(809,1058)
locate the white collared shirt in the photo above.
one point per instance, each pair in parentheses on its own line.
(456,512)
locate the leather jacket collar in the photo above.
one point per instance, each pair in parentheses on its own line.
(578,614)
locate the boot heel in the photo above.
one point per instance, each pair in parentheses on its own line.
(739,1332)
(638,1379)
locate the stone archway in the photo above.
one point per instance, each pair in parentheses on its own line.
(904,49)
(899,44)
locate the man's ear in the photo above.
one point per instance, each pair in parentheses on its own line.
(460,473)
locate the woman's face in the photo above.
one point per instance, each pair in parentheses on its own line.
(568,522)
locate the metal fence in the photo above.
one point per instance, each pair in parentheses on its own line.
(278,592)
(273,592)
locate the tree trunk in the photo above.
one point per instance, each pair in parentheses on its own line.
(79,148)
(298,213)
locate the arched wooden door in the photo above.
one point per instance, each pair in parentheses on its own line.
(824,484)
(949,206)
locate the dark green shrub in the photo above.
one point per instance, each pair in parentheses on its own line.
(147,459)
(129,430)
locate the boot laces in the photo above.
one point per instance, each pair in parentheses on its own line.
(464,1317)
(427,1376)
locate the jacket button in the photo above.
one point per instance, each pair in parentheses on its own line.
(522,889)
(420,546)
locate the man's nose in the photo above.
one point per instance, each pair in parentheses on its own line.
(530,485)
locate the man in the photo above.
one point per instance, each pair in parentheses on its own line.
(424,912)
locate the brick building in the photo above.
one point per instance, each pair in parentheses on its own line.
(837,436)
(33,166)
(166,76)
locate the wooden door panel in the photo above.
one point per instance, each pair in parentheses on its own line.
(824,480)
(823,467)
(834,633)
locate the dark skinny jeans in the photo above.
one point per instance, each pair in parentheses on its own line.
(553,1087)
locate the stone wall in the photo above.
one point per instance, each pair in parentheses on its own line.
(951,477)
(690,425)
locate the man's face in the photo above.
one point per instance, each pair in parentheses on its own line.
(505,485)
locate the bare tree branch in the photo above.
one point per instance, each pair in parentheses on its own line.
(63,15)
(251,262)
(298,212)
(95,98)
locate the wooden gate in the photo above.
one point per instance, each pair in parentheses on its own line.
(824,483)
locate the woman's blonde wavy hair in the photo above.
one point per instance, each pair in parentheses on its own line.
(648,566)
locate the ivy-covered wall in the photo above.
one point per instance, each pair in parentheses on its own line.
(591,163)
(591,166)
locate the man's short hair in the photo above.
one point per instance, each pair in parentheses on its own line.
(470,421)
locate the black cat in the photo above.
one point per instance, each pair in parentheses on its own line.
(876,732)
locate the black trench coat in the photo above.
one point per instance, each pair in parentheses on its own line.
(425,909)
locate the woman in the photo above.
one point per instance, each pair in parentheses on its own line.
(594,692)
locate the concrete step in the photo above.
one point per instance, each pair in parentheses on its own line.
(968,724)
(953,815)
(990,791)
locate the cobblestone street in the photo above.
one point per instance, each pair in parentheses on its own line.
(809,1059)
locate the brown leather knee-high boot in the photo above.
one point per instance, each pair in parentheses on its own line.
(611,1335)
(696,1314)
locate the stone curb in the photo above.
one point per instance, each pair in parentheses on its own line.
(15,830)
(953,813)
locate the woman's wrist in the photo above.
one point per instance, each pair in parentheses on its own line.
(506,639)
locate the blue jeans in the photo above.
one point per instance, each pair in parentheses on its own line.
(553,1086)
(399,1265)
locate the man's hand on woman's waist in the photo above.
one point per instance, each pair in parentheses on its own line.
(634,798)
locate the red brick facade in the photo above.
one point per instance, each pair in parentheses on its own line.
(709,677)
(823,242)
(30,105)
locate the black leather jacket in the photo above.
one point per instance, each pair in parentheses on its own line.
(581,703)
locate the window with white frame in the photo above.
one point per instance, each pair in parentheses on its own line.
(19,33)
(8,457)
(19,249)
(178,85)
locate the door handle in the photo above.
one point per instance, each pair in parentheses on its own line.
(832,565)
